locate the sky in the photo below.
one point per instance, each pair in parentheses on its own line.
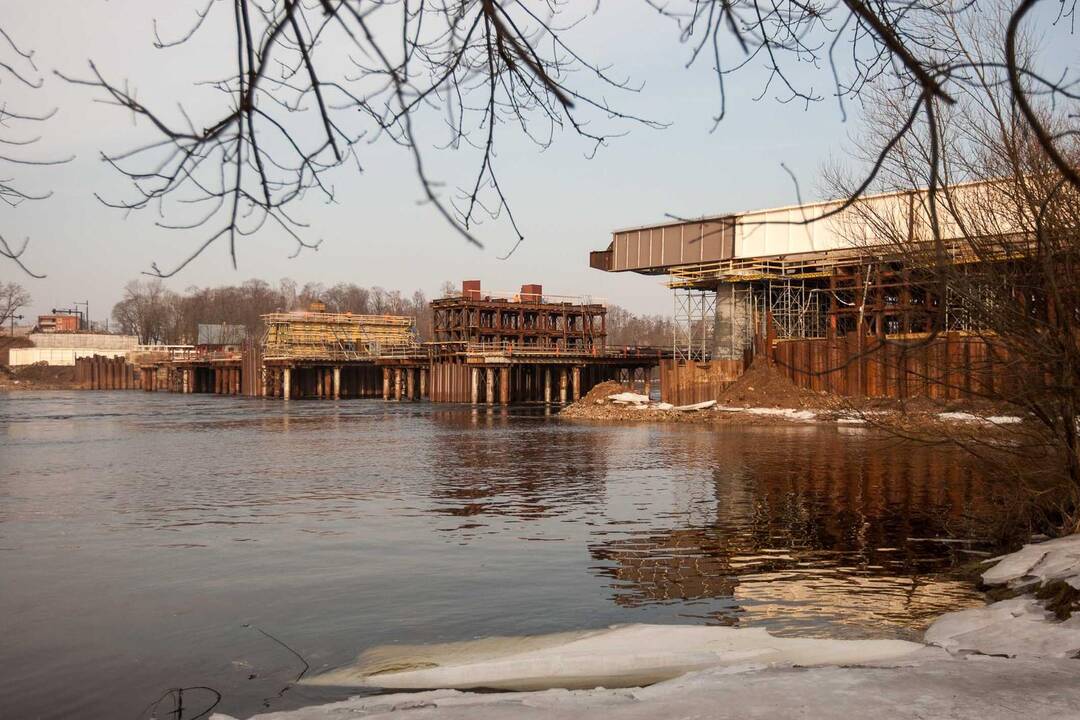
(378,232)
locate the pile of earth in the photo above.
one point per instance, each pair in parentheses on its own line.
(12,343)
(763,386)
(39,376)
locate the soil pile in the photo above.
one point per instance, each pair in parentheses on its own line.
(763,386)
(11,343)
(594,404)
(602,391)
(37,377)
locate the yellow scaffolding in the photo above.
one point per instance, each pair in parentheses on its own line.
(336,336)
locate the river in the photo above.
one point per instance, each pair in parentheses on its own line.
(148,541)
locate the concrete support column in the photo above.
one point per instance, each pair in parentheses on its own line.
(504,386)
(475,386)
(733,329)
(423,383)
(264,378)
(184,379)
(647,372)
(286,383)
(490,389)
(237,385)
(547,385)
(562,385)
(397,384)
(410,383)
(337,383)
(577,384)
(386,383)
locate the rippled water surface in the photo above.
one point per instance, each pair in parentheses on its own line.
(145,537)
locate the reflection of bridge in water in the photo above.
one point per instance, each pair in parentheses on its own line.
(734,525)
(838,527)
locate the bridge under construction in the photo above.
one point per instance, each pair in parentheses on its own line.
(488,348)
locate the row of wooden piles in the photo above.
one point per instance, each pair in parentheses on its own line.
(106,373)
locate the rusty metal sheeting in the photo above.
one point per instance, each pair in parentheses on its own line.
(105,373)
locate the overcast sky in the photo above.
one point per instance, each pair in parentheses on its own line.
(378,233)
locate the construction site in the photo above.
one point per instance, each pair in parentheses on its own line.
(815,292)
(488,348)
(812,291)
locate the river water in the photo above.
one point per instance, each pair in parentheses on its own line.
(147,541)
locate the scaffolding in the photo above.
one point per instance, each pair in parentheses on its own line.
(695,317)
(337,336)
(797,308)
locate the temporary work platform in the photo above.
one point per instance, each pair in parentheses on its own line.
(307,335)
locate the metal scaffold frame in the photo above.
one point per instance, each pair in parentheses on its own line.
(695,313)
(798,310)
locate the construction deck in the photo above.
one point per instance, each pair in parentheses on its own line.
(489,348)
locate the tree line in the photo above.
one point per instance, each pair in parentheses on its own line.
(158,315)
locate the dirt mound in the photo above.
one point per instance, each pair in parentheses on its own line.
(38,377)
(601,391)
(763,386)
(594,405)
(10,343)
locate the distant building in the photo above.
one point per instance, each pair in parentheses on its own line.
(59,348)
(58,323)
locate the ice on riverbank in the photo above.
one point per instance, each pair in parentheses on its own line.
(976,688)
(1039,562)
(1020,626)
(992,664)
(621,656)
(1009,628)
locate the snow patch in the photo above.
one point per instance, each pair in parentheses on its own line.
(787,413)
(969,418)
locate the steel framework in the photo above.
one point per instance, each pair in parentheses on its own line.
(695,316)
(798,310)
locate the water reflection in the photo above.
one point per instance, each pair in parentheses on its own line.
(818,527)
(510,472)
(143,525)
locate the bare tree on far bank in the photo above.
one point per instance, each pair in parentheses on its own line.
(158,315)
(13,297)
(1008,293)
(313,81)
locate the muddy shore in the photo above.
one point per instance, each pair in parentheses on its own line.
(37,377)
(764,397)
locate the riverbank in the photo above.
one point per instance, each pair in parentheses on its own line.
(763,396)
(37,377)
(1015,656)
